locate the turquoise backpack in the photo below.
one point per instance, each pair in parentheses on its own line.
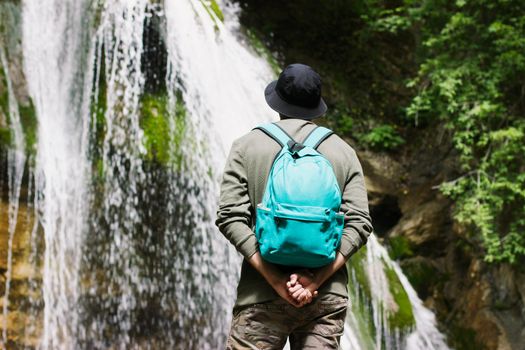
(298,221)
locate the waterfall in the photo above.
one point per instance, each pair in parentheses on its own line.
(91,73)
(58,76)
(16,159)
(379,271)
(221,84)
(137,104)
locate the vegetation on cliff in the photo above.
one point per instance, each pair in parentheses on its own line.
(471,80)
(392,69)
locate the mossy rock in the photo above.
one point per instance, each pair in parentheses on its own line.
(403,318)
(162,144)
(29,125)
(423,276)
(360,299)
(5,134)
(262,50)
(213,9)
(400,247)
(154,122)
(464,338)
(357,263)
(28,119)
(5,138)
(214,6)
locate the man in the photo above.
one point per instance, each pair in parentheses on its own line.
(275,302)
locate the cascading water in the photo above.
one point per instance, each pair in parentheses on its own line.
(16,159)
(115,259)
(138,103)
(58,73)
(374,291)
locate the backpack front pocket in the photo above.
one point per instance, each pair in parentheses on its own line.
(298,235)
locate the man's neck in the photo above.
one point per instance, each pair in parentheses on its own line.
(284,117)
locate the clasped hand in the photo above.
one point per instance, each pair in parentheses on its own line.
(302,287)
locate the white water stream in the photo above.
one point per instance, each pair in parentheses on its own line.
(16,159)
(58,73)
(132,258)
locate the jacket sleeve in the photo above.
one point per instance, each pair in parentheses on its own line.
(234,212)
(358,224)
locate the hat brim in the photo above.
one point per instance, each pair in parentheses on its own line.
(290,110)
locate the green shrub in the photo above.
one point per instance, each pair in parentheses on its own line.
(470,78)
(383,137)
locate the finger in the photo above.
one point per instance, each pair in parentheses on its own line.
(293,279)
(297,293)
(295,288)
(302,297)
(307,296)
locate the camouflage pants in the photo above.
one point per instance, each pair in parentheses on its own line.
(318,325)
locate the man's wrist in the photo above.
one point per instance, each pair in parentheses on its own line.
(267,270)
(317,281)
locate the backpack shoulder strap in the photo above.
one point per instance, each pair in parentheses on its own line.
(276,133)
(317,136)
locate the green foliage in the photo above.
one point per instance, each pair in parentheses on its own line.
(383,137)
(341,118)
(363,69)
(392,20)
(471,79)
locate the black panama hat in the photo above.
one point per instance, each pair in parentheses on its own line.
(297,93)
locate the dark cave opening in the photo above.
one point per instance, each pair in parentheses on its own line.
(385,213)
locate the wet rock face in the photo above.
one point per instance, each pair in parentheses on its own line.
(24,299)
(479,306)
(10,40)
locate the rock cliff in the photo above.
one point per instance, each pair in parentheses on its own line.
(479,305)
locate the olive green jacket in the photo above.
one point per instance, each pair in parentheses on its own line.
(242,188)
